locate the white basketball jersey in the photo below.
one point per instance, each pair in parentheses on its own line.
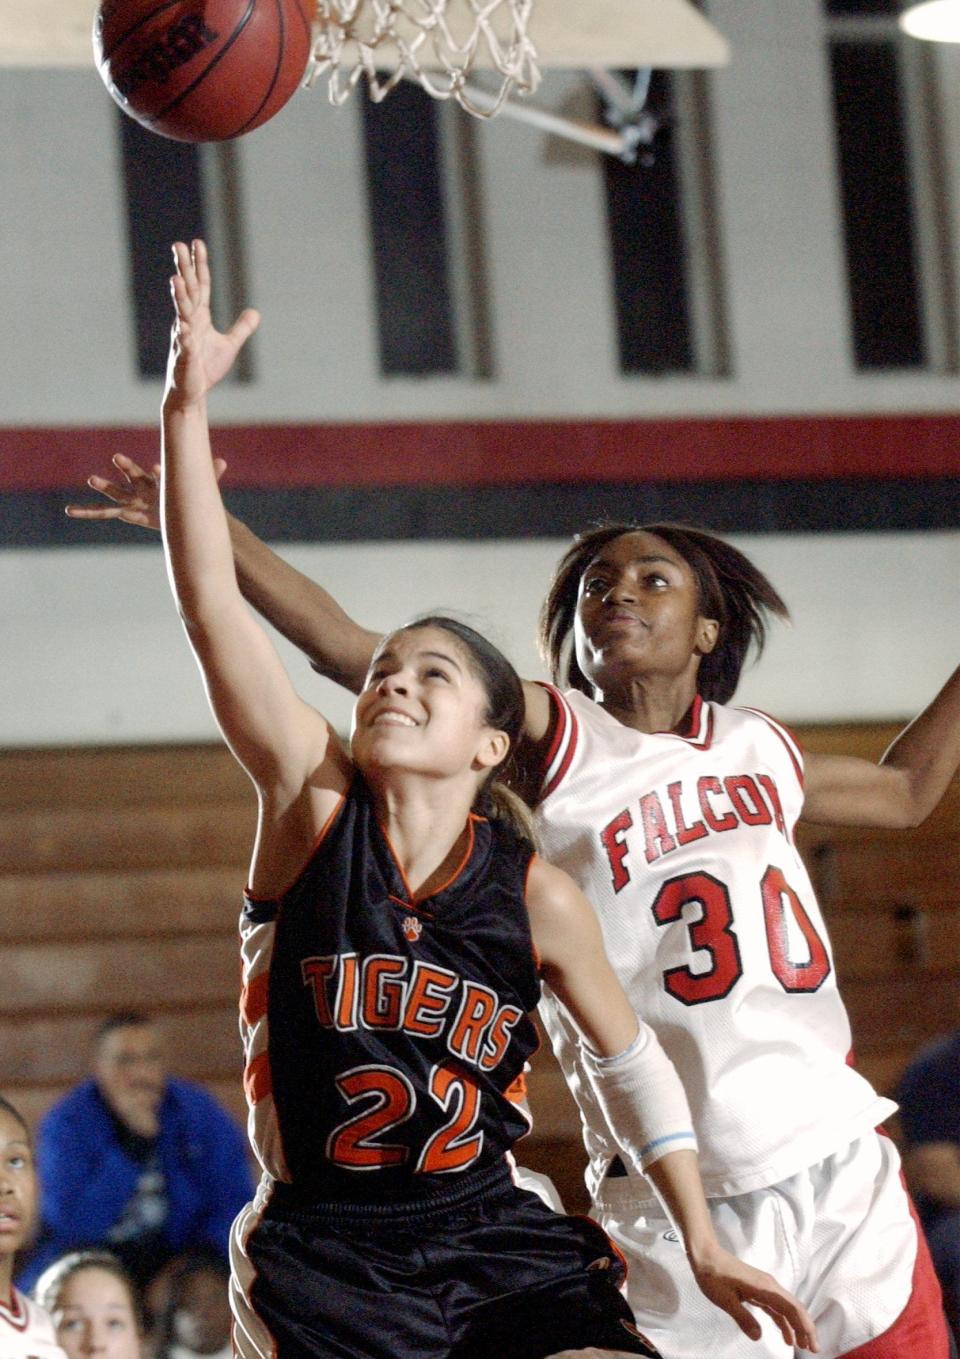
(684,844)
(26,1331)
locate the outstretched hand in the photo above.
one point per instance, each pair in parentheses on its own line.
(200,355)
(734,1286)
(136,497)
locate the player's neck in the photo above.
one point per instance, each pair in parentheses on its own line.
(650,703)
(6,1280)
(427,826)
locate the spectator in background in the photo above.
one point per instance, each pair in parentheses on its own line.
(929,1097)
(26,1331)
(195,1323)
(136,1161)
(94,1305)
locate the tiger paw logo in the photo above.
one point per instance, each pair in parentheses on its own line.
(412,928)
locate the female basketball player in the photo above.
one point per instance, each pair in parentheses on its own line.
(26,1331)
(94,1305)
(676,814)
(393,942)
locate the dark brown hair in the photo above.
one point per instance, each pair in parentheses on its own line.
(729,588)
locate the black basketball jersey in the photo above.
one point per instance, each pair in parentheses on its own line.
(381,1034)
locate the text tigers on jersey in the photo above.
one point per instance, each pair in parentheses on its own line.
(385,991)
(683,812)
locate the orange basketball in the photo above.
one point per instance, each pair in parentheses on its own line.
(202,70)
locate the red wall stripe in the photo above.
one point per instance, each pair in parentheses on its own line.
(488,453)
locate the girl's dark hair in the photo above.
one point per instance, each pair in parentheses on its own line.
(505,711)
(196,1260)
(10,1109)
(51,1283)
(729,587)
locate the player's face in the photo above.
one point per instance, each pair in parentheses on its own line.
(18,1186)
(94,1316)
(422,709)
(638,613)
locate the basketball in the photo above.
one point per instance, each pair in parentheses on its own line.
(202,70)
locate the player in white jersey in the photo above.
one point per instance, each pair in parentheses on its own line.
(684,839)
(26,1331)
(679,814)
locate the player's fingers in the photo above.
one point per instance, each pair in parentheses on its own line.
(94,511)
(745,1319)
(201,266)
(109,488)
(130,469)
(181,258)
(181,302)
(219,467)
(244,326)
(186,290)
(795,1322)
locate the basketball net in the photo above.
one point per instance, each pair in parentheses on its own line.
(435,42)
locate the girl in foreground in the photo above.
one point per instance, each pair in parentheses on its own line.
(26,1331)
(94,1305)
(394,936)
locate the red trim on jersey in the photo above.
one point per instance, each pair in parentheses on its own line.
(565,730)
(14,1313)
(786,736)
(465,859)
(700,727)
(412,906)
(253,998)
(258,1078)
(921,1327)
(516,1092)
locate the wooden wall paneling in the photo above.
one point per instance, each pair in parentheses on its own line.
(120,879)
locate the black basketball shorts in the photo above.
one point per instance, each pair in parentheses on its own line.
(487,1271)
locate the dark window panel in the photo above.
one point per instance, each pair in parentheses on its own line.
(164,204)
(647,251)
(863,7)
(408,234)
(878,228)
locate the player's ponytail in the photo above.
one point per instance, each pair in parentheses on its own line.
(498,802)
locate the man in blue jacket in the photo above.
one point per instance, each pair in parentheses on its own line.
(929,1099)
(135,1161)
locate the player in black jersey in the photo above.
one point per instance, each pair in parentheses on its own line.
(395,934)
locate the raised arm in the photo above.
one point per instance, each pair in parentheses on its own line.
(300,609)
(643,1101)
(904,787)
(276,737)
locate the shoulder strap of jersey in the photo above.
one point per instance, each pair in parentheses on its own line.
(789,741)
(561,744)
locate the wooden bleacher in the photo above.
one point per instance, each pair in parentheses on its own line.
(120,878)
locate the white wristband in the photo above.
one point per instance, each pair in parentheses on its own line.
(642,1100)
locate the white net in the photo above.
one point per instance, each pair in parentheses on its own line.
(439,43)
